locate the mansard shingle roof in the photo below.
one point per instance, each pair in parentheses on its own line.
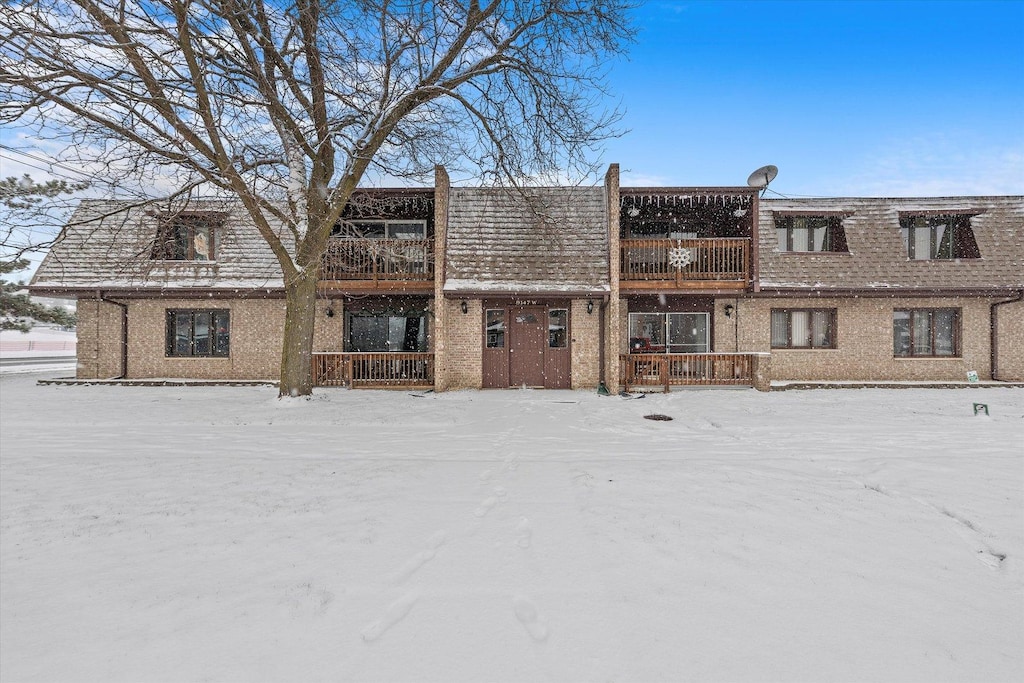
(877,258)
(107,244)
(549,240)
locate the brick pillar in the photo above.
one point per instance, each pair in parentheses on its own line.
(763,371)
(442,313)
(612,318)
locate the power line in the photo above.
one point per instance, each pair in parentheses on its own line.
(49,162)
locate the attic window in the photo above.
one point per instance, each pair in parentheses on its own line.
(811,233)
(185,237)
(938,236)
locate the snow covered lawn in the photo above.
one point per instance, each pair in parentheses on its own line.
(217,534)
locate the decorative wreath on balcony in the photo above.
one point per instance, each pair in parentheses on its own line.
(680,257)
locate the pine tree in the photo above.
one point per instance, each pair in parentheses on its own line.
(17,312)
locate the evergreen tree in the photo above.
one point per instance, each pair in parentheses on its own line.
(20,196)
(17,312)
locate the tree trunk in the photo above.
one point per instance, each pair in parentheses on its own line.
(297,352)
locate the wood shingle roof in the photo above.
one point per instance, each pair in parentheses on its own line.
(108,244)
(877,258)
(543,240)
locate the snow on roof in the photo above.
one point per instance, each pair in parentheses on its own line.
(877,257)
(544,239)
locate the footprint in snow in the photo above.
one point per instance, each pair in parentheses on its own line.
(485,506)
(526,613)
(395,612)
(421,558)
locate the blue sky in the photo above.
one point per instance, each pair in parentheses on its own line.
(846,98)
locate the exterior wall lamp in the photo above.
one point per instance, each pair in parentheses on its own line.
(464,306)
(590,306)
(330,312)
(728,310)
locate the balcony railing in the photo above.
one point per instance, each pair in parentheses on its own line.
(685,262)
(374,370)
(666,370)
(358,258)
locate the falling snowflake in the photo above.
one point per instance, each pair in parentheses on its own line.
(680,257)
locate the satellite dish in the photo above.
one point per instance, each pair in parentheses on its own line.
(761,177)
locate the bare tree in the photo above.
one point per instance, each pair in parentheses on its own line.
(288,104)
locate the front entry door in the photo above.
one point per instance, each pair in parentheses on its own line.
(527,339)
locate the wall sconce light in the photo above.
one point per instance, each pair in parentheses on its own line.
(728,310)
(330,312)
(590,307)
(465,307)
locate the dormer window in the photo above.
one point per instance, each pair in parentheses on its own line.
(938,237)
(185,237)
(811,233)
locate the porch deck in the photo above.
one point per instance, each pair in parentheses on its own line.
(374,370)
(721,263)
(377,263)
(665,370)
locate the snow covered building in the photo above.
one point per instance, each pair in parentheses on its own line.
(565,287)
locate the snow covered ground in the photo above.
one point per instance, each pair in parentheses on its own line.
(218,534)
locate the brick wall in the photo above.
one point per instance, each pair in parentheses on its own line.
(585,349)
(328,332)
(864,340)
(460,365)
(100,339)
(257,328)
(1010,342)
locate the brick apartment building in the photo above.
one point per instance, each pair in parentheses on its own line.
(560,287)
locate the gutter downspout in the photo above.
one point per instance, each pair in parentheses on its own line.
(124,334)
(993,332)
(601,342)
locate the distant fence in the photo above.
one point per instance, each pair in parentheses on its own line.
(34,345)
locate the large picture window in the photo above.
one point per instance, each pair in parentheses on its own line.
(185,238)
(804,328)
(938,237)
(669,333)
(928,332)
(198,333)
(386,332)
(810,233)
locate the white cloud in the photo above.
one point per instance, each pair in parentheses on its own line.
(937,165)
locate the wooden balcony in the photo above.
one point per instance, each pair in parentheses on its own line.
(666,370)
(716,263)
(374,370)
(372,263)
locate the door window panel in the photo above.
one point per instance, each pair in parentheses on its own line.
(558,320)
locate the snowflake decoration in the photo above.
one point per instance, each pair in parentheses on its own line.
(680,257)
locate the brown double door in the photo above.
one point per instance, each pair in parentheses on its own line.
(535,352)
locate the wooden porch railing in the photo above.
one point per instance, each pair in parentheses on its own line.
(358,258)
(686,369)
(701,260)
(374,370)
